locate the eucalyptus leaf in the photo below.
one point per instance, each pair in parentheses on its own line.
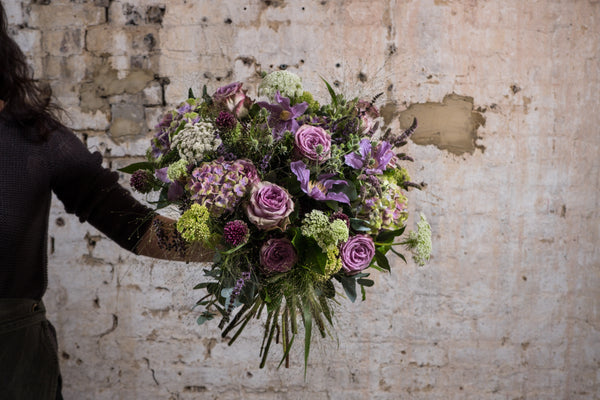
(349,285)
(365,282)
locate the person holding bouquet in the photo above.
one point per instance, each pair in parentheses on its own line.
(38,156)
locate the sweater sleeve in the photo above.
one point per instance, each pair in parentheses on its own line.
(93,193)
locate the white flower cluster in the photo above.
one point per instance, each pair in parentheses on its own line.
(287,83)
(422,247)
(194,141)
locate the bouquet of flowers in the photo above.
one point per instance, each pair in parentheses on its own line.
(299,198)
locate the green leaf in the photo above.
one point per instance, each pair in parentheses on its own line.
(349,190)
(131,168)
(398,254)
(205,316)
(382,260)
(307,334)
(389,236)
(360,225)
(334,97)
(365,282)
(349,285)
(202,285)
(191,94)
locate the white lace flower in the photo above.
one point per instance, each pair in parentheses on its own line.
(195,140)
(286,83)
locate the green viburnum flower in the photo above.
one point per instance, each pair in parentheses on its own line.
(193,224)
(420,242)
(177,170)
(327,234)
(287,83)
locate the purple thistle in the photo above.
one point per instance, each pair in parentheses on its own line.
(235,232)
(141,181)
(264,164)
(225,121)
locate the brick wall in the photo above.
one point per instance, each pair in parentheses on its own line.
(507,93)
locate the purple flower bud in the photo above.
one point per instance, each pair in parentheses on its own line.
(235,232)
(141,181)
(225,121)
(278,255)
(357,253)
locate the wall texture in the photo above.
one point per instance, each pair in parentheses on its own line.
(507,95)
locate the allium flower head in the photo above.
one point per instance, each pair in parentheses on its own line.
(284,82)
(235,232)
(195,140)
(141,181)
(220,184)
(225,121)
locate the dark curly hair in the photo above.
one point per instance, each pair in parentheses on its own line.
(26,102)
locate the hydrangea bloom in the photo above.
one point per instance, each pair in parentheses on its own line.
(286,83)
(195,140)
(220,184)
(387,210)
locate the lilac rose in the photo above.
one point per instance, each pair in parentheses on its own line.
(278,255)
(269,206)
(233,97)
(309,138)
(357,253)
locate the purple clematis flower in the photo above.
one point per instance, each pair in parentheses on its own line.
(318,190)
(283,116)
(374,161)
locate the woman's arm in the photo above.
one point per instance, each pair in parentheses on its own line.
(157,242)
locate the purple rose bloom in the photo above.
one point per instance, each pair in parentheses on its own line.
(283,116)
(309,138)
(269,206)
(374,161)
(318,190)
(357,253)
(233,97)
(278,255)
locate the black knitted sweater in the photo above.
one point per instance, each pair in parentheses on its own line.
(30,169)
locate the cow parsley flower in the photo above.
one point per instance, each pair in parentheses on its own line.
(419,242)
(286,83)
(196,140)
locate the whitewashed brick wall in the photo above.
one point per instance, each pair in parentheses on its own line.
(508,307)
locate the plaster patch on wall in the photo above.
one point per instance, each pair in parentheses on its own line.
(450,125)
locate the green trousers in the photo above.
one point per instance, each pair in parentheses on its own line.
(28,352)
